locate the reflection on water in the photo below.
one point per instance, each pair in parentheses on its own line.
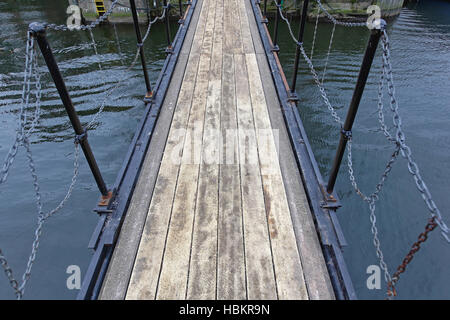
(88,77)
(420,39)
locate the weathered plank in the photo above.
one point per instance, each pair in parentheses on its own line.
(247,41)
(260,274)
(219,223)
(145,276)
(175,266)
(203,264)
(288,269)
(119,271)
(231,264)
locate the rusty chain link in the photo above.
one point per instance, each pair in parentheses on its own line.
(431,225)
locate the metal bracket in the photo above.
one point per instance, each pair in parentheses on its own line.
(101,211)
(346,134)
(169,50)
(79,138)
(331,201)
(104,200)
(293,97)
(148,97)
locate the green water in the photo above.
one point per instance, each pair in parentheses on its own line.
(421,59)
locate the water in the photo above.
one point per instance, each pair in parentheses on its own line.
(421,56)
(420,39)
(66,235)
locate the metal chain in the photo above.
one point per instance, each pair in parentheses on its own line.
(342,23)
(94,46)
(136,56)
(383,126)
(90,26)
(10,157)
(313,71)
(22,138)
(400,139)
(401,147)
(323,93)
(391,291)
(38,95)
(329,51)
(119,50)
(291,32)
(315,34)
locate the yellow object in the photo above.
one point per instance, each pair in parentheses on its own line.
(100,7)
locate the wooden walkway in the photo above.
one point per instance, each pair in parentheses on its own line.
(215,214)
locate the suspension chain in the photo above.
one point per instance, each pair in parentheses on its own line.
(91,123)
(398,139)
(22,139)
(90,26)
(328,53)
(315,34)
(342,23)
(391,291)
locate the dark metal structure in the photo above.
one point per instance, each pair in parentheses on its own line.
(38,31)
(149,93)
(301,31)
(346,131)
(167,24)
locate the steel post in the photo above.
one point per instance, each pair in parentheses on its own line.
(180,4)
(275,31)
(354,104)
(264,18)
(297,51)
(38,31)
(169,42)
(149,94)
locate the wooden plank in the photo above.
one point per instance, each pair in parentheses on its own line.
(144,279)
(257,43)
(313,263)
(288,269)
(203,265)
(235,28)
(175,267)
(231,283)
(120,268)
(227,22)
(247,41)
(231,259)
(260,274)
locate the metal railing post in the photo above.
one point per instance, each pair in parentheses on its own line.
(275,31)
(149,93)
(346,131)
(264,18)
(169,42)
(297,51)
(180,4)
(38,31)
